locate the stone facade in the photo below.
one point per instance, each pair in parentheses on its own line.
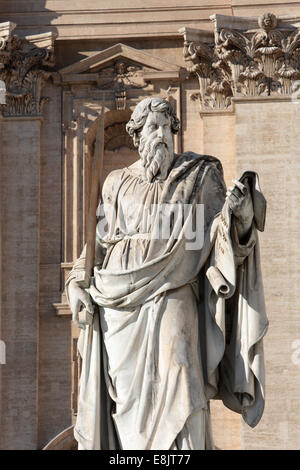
(232,73)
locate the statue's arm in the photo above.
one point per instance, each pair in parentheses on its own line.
(76,295)
(240,202)
(248,215)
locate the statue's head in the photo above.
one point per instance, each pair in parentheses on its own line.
(152,125)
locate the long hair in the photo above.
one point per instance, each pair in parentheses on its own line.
(140,114)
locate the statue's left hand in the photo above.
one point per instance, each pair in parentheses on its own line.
(240,202)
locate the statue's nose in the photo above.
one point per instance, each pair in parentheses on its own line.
(160,132)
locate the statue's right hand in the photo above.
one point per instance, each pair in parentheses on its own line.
(78,297)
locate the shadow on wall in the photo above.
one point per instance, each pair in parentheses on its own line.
(31,17)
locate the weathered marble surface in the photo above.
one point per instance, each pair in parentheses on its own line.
(175,326)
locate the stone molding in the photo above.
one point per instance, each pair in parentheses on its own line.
(24,66)
(246,57)
(65,440)
(120,69)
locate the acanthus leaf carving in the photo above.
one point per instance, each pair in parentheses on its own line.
(23,69)
(245,63)
(215,90)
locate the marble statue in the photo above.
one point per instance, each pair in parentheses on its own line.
(175,324)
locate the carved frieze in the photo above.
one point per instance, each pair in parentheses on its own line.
(120,77)
(120,73)
(23,68)
(245,62)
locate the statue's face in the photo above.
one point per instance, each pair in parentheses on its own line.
(120,68)
(156,146)
(158,126)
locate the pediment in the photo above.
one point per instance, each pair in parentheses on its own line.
(104,59)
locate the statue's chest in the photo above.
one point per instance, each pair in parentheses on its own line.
(142,206)
(137,199)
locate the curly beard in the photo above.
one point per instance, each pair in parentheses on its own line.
(156,158)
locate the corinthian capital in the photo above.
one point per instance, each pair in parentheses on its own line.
(244,57)
(24,65)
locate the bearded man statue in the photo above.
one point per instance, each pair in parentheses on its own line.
(175,323)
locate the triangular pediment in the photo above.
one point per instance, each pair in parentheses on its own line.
(103,59)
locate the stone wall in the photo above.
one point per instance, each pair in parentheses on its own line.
(54,340)
(267,140)
(19,279)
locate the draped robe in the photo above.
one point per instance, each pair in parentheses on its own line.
(175,327)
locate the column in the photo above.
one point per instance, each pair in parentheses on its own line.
(20,153)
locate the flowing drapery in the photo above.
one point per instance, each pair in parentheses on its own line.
(175,327)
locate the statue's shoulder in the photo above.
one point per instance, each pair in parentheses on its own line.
(112,182)
(194,158)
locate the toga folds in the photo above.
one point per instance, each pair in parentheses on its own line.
(175,327)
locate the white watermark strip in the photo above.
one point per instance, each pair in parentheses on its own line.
(2,352)
(295,95)
(155,222)
(296,353)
